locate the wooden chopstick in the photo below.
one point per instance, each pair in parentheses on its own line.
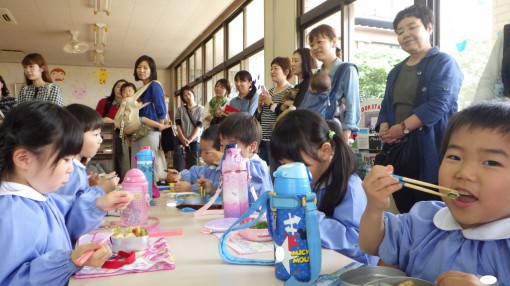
(416,182)
(423,189)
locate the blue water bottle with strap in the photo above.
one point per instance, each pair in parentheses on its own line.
(292,221)
(144,161)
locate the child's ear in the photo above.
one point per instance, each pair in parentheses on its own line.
(22,158)
(326,151)
(253,147)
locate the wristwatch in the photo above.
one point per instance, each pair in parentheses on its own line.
(404,128)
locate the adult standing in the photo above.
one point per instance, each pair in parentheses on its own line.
(248,98)
(188,120)
(214,110)
(344,77)
(145,71)
(39,83)
(7,102)
(268,102)
(421,95)
(107,107)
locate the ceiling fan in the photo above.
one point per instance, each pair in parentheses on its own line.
(74,46)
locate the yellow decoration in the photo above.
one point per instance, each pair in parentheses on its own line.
(102,75)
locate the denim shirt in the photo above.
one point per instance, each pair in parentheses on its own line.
(436,104)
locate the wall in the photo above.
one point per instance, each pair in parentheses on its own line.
(501,15)
(279,27)
(86,85)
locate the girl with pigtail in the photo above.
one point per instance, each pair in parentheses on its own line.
(304,136)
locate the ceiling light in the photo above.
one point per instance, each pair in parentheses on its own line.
(100,32)
(98,57)
(106,8)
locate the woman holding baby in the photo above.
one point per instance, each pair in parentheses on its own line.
(344,78)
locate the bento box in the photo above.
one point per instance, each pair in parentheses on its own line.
(133,238)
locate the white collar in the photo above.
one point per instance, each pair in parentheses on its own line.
(495,230)
(15,189)
(78,163)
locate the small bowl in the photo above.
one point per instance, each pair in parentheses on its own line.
(194,200)
(130,243)
(396,280)
(363,275)
(254,234)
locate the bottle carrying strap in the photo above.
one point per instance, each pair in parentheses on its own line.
(222,246)
(280,202)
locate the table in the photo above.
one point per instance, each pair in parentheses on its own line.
(197,261)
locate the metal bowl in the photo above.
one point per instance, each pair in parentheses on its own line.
(194,200)
(363,275)
(396,280)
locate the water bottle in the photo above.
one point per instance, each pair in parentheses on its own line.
(144,162)
(137,212)
(293,224)
(234,175)
(292,221)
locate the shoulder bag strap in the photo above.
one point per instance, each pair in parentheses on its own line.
(335,85)
(189,115)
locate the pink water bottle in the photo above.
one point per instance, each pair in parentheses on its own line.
(234,176)
(137,213)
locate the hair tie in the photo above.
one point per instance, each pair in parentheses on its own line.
(331,133)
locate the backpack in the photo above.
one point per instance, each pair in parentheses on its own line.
(127,118)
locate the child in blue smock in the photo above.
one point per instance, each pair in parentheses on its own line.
(38,141)
(244,130)
(303,136)
(457,241)
(209,147)
(79,183)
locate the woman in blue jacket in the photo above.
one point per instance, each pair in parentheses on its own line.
(421,95)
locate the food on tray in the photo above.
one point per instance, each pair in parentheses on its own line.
(406,283)
(260,225)
(132,231)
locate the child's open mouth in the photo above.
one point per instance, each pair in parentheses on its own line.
(465,199)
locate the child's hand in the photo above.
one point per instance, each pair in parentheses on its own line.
(453,278)
(379,185)
(206,184)
(114,201)
(94,179)
(101,253)
(173,176)
(109,182)
(182,186)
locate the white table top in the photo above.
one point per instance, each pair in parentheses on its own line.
(197,261)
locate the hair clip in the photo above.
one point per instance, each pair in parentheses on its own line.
(331,133)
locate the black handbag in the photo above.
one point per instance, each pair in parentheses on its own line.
(168,139)
(404,156)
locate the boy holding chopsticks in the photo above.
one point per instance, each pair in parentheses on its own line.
(460,240)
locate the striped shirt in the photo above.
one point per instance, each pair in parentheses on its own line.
(50,93)
(267,116)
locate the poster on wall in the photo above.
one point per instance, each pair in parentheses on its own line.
(102,75)
(369,113)
(57,74)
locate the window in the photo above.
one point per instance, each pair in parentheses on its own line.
(310,4)
(235,36)
(209,55)
(255,65)
(184,77)
(179,78)
(469,41)
(375,48)
(231,75)
(333,21)
(198,62)
(254,16)
(192,68)
(218,47)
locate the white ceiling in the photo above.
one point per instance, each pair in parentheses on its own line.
(162,29)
